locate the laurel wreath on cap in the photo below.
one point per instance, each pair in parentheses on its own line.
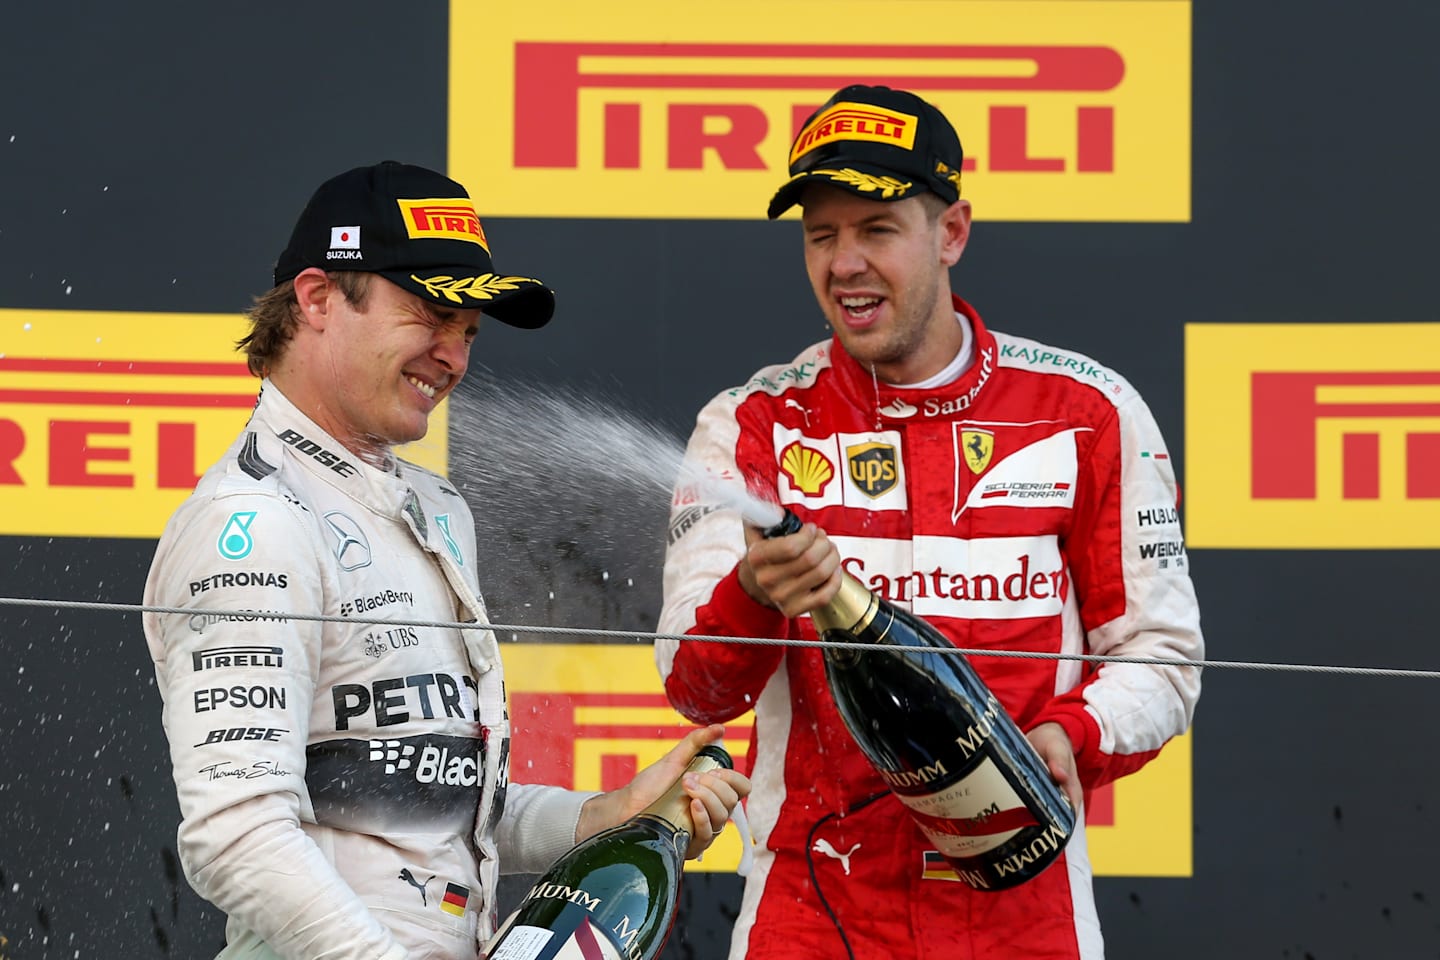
(483,287)
(868,183)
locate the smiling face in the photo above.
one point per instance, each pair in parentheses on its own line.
(370,373)
(880,271)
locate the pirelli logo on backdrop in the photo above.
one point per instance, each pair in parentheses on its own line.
(107,419)
(1313,435)
(1077,111)
(606,717)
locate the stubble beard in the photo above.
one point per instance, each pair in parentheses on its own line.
(907,331)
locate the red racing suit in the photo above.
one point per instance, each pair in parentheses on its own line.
(1030,505)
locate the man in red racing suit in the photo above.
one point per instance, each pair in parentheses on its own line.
(1017,496)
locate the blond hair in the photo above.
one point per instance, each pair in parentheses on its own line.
(275,315)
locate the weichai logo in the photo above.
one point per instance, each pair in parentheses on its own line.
(606,717)
(442,219)
(1328,435)
(667,113)
(108,420)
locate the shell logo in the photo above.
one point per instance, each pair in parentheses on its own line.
(808,470)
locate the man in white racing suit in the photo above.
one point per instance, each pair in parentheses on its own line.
(343,783)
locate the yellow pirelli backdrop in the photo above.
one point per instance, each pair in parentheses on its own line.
(1312,435)
(1067,110)
(589,715)
(108,419)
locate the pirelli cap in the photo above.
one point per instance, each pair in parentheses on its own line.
(419,230)
(878,143)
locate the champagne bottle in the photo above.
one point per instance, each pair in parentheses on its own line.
(939,738)
(614,895)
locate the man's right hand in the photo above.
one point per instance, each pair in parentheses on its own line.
(794,574)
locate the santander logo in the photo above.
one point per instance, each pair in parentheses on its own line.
(1001,578)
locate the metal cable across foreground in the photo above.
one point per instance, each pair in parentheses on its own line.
(635,635)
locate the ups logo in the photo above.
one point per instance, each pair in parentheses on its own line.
(873,467)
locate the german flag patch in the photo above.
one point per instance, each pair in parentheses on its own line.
(455,899)
(937,867)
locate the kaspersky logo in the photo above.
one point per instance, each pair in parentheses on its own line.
(1313,435)
(669,114)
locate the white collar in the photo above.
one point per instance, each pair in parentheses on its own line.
(956,368)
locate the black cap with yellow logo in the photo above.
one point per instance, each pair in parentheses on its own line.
(419,230)
(878,143)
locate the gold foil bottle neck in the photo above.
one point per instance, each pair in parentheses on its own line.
(852,610)
(674,805)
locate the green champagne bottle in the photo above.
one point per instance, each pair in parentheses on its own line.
(614,895)
(940,739)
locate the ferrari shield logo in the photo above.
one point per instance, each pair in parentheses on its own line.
(977,445)
(873,468)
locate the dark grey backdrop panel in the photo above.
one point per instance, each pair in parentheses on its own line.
(154,156)
(87,852)
(153,159)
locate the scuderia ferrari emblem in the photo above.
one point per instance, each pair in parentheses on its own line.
(872,468)
(977,446)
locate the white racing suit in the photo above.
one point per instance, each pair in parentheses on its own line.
(342,784)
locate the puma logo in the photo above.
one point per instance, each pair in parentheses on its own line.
(823,846)
(409,878)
